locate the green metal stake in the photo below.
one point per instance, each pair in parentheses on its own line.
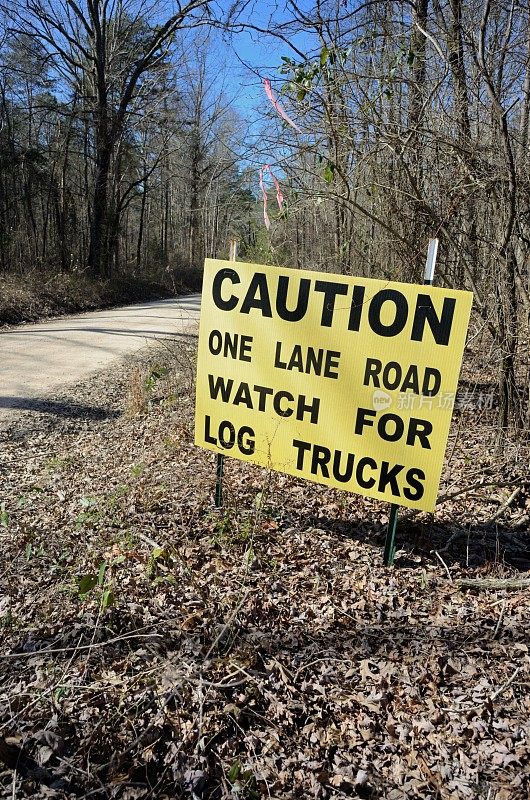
(232,256)
(219,480)
(390,539)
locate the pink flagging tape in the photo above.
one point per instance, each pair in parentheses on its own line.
(281,111)
(279,194)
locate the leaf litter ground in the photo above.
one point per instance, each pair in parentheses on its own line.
(154,646)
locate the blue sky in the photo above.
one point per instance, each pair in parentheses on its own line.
(252,56)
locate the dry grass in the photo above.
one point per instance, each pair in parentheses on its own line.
(137,401)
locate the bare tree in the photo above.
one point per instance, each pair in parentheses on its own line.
(415,123)
(104,49)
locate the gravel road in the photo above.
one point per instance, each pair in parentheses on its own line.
(38,359)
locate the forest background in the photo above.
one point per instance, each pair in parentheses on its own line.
(156,646)
(133,137)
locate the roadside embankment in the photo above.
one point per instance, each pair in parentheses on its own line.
(36,295)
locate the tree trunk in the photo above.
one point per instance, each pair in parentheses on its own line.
(141,224)
(417,88)
(195,188)
(98,255)
(468,239)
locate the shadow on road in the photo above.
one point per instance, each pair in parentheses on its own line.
(59,408)
(144,333)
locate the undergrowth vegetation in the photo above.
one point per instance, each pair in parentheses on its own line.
(35,295)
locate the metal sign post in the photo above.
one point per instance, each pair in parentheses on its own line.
(390,539)
(232,256)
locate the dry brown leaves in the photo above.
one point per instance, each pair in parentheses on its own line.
(153,646)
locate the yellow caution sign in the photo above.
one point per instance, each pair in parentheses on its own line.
(349,382)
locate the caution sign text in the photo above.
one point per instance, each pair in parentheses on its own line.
(349,382)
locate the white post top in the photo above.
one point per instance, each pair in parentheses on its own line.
(430,264)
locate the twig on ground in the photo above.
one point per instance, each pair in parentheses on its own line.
(444,565)
(213,685)
(148,540)
(493,583)
(506,685)
(502,508)
(444,498)
(499,621)
(55,650)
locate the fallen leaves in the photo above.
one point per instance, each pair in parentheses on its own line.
(260,650)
